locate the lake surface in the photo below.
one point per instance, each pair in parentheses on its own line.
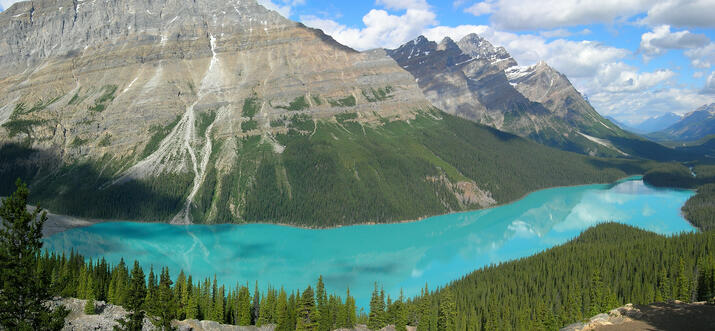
(407,255)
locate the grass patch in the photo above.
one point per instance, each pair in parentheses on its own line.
(158,133)
(100,104)
(299,103)
(348,101)
(205,119)
(316,100)
(77,142)
(105,141)
(381,94)
(249,125)
(251,106)
(301,122)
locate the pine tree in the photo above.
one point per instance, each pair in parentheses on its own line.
(181,292)
(447,310)
(165,309)
(307,312)
(136,293)
(324,323)
(243,307)
(192,305)
(351,311)
(152,288)
(23,291)
(256,307)
(377,310)
(595,294)
(283,315)
(400,313)
(683,286)
(89,295)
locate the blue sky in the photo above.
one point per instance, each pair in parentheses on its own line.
(633,59)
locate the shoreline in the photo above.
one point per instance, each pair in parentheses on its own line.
(60,223)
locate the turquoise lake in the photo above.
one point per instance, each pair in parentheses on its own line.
(405,256)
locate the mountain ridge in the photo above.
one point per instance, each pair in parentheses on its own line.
(225,112)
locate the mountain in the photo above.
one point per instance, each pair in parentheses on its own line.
(216,111)
(621,124)
(693,126)
(657,123)
(477,81)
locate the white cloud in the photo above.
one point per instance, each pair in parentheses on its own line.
(637,106)
(682,13)
(382,29)
(481,8)
(709,84)
(620,77)
(550,14)
(283,7)
(698,74)
(4,4)
(703,57)
(661,39)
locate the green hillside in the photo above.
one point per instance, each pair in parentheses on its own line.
(330,172)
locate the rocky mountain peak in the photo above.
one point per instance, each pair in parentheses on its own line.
(479,48)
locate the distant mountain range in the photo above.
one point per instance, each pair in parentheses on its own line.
(693,126)
(216,111)
(474,80)
(650,125)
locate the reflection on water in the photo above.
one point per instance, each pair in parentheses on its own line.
(408,255)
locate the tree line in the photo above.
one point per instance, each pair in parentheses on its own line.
(605,267)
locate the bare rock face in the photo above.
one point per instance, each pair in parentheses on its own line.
(477,81)
(146,88)
(93,77)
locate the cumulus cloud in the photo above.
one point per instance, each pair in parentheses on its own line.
(690,13)
(528,15)
(620,77)
(661,39)
(702,57)
(382,29)
(709,84)
(549,14)
(637,106)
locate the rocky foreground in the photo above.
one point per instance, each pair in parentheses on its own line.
(674,315)
(107,314)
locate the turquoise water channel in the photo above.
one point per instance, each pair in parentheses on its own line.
(404,256)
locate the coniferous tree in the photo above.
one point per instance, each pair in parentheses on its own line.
(350,311)
(324,323)
(89,295)
(136,294)
(377,310)
(401,313)
(243,307)
(307,312)
(256,305)
(165,310)
(23,292)
(447,311)
(282,313)
(192,305)
(683,285)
